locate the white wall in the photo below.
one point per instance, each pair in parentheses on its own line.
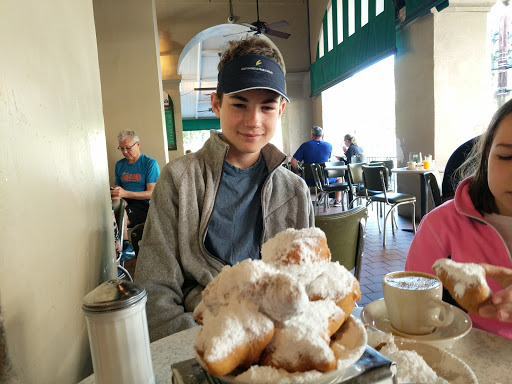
(55,210)
(462,74)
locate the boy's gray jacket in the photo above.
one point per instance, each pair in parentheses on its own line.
(173,264)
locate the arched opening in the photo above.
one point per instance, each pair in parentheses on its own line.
(197,66)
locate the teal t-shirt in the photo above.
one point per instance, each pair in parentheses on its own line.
(134,177)
(236,226)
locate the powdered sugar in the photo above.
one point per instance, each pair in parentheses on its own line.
(290,296)
(411,367)
(463,274)
(235,324)
(306,334)
(275,250)
(351,339)
(264,375)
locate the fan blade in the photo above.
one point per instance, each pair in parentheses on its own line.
(253,28)
(282,35)
(237,33)
(277,24)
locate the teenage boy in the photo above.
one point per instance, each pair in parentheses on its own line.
(217,206)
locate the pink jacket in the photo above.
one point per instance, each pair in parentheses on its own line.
(458,230)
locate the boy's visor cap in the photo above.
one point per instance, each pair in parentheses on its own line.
(248,72)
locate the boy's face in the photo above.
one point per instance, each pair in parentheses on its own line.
(248,121)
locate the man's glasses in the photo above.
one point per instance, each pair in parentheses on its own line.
(127,148)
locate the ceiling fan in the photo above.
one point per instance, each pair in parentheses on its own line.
(268,29)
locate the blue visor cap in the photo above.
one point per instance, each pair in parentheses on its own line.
(248,72)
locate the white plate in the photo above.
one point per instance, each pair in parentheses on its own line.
(354,343)
(444,363)
(375,315)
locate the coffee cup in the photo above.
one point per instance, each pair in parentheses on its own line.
(411,165)
(414,302)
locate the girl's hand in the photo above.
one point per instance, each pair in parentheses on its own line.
(501,307)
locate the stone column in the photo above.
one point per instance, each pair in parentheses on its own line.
(442,82)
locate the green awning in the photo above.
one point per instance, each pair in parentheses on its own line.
(367,45)
(200,124)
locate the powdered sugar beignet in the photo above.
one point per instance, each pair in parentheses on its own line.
(466,283)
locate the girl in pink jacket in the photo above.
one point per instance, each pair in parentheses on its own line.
(476,226)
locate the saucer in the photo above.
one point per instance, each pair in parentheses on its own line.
(375,315)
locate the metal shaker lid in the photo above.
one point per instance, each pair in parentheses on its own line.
(113,295)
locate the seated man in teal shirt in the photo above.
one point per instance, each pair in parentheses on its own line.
(135,178)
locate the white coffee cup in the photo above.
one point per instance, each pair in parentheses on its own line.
(414,302)
(411,165)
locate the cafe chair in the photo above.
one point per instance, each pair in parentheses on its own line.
(355,179)
(389,164)
(119,207)
(433,188)
(376,182)
(324,188)
(307,175)
(345,232)
(334,163)
(136,236)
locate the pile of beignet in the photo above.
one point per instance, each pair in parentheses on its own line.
(280,311)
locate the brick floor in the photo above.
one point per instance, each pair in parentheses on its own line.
(377,261)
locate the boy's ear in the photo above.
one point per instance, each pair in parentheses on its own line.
(281,107)
(215,103)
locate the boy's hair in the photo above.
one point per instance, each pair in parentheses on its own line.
(477,162)
(250,46)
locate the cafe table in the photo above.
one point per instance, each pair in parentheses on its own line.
(423,187)
(488,355)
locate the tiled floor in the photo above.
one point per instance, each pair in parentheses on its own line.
(377,261)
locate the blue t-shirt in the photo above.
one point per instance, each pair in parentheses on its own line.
(236,226)
(314,151)
(134,177)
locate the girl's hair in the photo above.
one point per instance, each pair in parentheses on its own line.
(477,162)
(250,46)
(351,138)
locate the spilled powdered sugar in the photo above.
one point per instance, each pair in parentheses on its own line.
(411,367)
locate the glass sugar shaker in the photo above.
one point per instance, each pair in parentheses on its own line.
(115,313)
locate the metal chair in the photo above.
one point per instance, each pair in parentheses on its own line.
(136,236)
(345,232)
(433,187)
(119,207)
(355,178)
(389,164)
(307,175)
(376,182)
(324,188)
